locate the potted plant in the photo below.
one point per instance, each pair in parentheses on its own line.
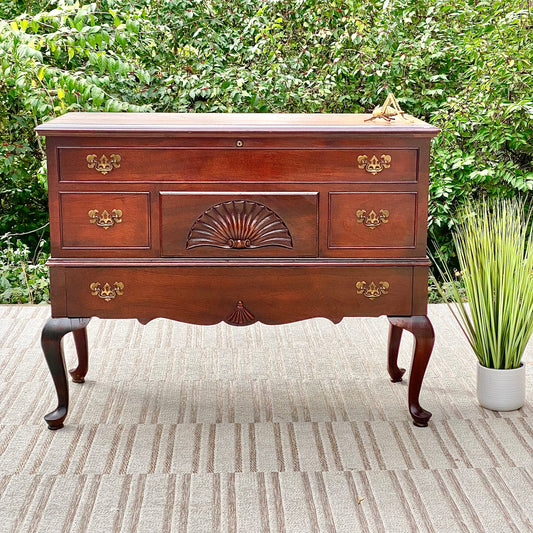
(495,253)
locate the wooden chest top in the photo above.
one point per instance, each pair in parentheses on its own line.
(96,124)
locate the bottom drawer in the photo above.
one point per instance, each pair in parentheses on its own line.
(239,295)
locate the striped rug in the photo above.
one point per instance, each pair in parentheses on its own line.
(292,428)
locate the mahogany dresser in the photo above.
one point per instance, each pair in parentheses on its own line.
(239,218)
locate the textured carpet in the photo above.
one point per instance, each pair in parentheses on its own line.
(292,428)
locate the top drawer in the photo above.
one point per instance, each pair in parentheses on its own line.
(364,165)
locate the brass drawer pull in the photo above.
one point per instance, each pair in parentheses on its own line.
(372,291)
(372,220)
(374,165)
(103,165)
(106,292)
(105,220)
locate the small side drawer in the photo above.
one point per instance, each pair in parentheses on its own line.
(239,224)
(116,164)
(105,220)
(372,220)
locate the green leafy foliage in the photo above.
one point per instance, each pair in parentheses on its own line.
(465,66)
(485,148)
(23,277)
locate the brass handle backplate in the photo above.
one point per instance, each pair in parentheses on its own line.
(107,292)
(103,165)
(373,290)
(374,165)
(372,220)
(105,220)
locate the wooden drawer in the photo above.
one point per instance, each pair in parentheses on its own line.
(239,224)
(372,220)
(105,220)
(210,294)
(238,164)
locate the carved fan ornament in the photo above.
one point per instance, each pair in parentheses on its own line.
(240,316)
(239,224)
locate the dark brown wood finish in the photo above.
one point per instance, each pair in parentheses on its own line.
(237,163)
(53,332)
(204,294)
(372,220)
(105,220)
(237,218)
(421,328)
(207,223)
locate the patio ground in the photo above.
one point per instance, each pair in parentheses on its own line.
(291,428)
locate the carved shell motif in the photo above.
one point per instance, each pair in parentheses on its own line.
(239,224)
(240,316)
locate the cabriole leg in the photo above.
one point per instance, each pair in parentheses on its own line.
(80,338)
(395,336)
(54,330)
(421,328)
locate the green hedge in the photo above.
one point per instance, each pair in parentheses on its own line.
(464,66)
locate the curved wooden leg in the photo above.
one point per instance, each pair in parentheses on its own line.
(80,338)
(54,330)
(421,328)
(395,336)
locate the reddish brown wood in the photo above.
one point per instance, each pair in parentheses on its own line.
(421,328)
(420,284)
(372,220)
(184,251)
(208,294)
(82,349)
(296,212)
(54,330)
(165,124)
(170,164)
(241,316)
(395,337)
(79,230)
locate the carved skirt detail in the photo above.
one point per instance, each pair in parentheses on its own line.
(240,316)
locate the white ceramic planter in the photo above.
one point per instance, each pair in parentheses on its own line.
(501,390)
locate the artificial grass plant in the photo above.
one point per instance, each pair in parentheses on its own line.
(495,253)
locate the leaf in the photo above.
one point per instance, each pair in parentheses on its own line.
(121,40)
(60,93)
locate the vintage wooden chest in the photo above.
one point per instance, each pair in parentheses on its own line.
(240,218)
